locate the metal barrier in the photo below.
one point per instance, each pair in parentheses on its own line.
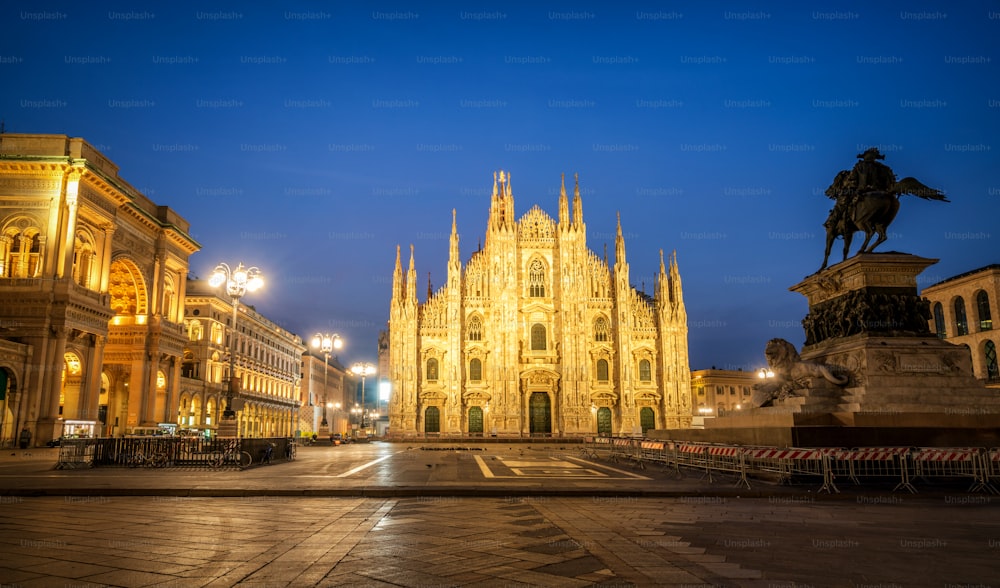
(953,462)
(181,452)
(75,453)
(870,463)
(823,465)
(991,468)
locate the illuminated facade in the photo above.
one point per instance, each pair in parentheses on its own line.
(268,364)
(962,311)
(92,282)
(721,392)
(537,335)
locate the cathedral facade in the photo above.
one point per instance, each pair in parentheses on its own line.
(537,336)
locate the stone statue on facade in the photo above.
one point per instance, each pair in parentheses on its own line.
(867,200)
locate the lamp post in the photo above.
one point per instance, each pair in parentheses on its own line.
(355,415)
(238,281)
(326,343)
(363,369)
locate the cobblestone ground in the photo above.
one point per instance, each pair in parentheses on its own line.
(269,541)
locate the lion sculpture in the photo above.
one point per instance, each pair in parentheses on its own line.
(790,373)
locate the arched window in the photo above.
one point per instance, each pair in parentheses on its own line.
(602,370)
(83,258)
(939,321)
(536,279)
(961,323)
(195,333)
(990,357)
(432,369)
(602,332)
(476,370)
(983,306)
(475,329)
(645,373)
(22,258)
(538,337)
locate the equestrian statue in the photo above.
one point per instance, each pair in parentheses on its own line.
(867,199)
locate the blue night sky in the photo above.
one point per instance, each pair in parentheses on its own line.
(311,138)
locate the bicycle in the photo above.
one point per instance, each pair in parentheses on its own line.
(156,460)
(230,454)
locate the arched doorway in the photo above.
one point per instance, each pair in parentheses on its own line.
(647,419)
(540,414)
(432,420)
(604,421)
(475,419)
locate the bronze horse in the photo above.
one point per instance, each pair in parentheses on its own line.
(872,212)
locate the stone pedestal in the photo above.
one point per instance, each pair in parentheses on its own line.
(905,386)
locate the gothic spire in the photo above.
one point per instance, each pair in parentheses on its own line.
(563,204)
(577,203)
(619,243)
(411,279)
(453,256)
(397,279)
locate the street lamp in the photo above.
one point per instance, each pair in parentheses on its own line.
(326,343)
(238,281)
(363,369)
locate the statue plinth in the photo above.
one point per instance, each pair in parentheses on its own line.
(871,293)
(865,270)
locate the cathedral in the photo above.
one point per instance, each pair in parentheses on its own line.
(537,336)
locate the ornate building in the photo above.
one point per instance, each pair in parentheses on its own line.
(268,365)
(537,335)
(92,282)
(962,309)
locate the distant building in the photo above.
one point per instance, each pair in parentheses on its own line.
(962,311)
(268,364)
(92,282)
(327,395)
(537,335)
(721,392)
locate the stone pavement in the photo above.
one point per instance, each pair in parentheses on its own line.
(393,515)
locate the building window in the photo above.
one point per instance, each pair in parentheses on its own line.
(983,306)
(645,373)
(432,370)
(476,370)
(475,329)
(939,320)
(701,390)
(602,332)
(538,337)
(602,370)
(961,323)
(196,331)
(536,279)
(990,355)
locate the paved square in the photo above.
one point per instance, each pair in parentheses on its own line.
(548,467)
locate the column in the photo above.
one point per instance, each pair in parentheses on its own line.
(109,231)
(91,387)
(49,423)
(65,260)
